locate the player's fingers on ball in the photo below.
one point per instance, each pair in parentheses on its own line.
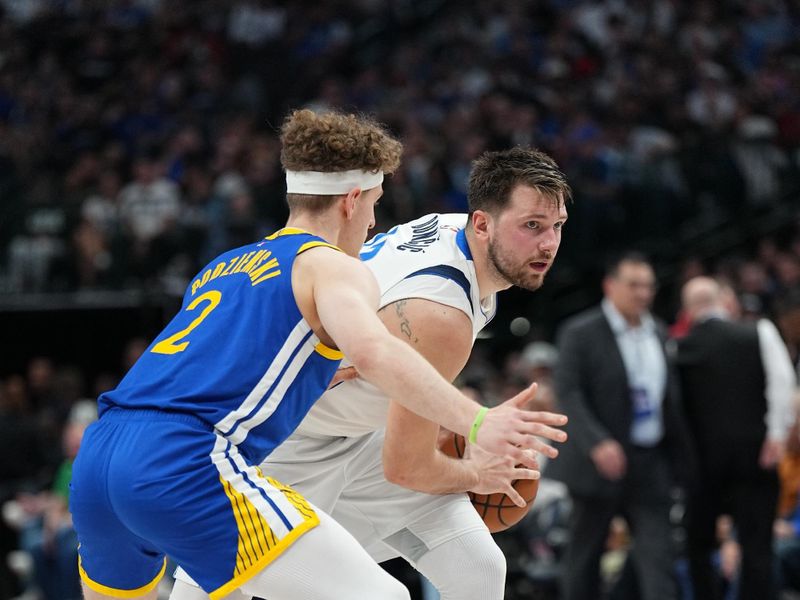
(515,497)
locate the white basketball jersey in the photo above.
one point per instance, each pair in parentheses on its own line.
(427,258)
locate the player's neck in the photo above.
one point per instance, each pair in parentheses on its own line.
(489,280)
(320,225)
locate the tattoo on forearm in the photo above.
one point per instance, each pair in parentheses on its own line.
(405,324)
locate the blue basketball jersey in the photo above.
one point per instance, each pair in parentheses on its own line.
(239,354)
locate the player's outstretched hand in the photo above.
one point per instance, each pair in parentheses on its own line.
(508,429)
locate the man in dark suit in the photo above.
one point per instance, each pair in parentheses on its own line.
(737,382)
(613,381)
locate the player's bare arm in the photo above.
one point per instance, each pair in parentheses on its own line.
(411,457)
(343,301)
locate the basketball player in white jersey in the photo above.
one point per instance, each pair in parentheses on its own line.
(375,465)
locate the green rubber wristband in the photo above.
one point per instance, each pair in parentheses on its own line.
(476,424)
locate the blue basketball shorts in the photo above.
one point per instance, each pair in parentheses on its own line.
(147,484)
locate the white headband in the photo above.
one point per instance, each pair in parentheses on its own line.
(331,183)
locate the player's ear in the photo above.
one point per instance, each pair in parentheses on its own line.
(351,201)
(480,223)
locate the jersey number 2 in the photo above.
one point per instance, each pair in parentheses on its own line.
(173,344)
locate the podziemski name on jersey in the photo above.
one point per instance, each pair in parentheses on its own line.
(257,265)
(422,235)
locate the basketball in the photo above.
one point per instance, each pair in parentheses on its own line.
(498,511)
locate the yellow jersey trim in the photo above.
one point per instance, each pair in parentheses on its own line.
(316,244)
(328,352)
(286,231)
(116,593)
(258,566)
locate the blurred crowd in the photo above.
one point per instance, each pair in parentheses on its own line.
(43,413)
(138,137)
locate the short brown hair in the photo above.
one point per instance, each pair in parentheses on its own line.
(615,261)
(332,142)
(494,175)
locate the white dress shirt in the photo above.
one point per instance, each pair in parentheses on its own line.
(780,380)
(646,367)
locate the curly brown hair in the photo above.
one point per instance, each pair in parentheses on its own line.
(494,176)
(335,141)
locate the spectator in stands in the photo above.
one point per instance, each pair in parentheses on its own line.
(22,464)
(149,210)
(614,382)
(109,79)
(46,528)
(737,383)
(787,525)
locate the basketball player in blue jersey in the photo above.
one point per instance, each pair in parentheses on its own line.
(170,467)
(385,480)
